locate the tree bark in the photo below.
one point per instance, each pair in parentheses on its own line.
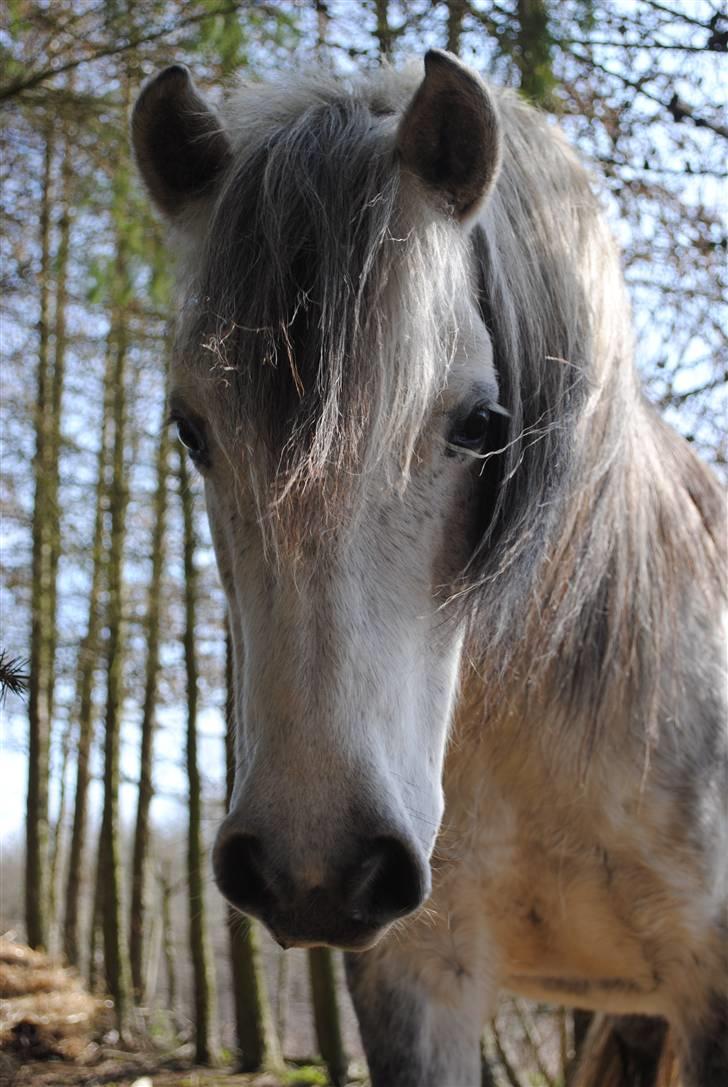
(95,924)
(36,852)
(533,50)
(165,885)
(87,658)
(326,1013)
(382,30)
(323,16)
(115,960)
(258,1043)
(455,14)
(141,829)
(56,843)
(204,996)
(281,1009)
(54,421)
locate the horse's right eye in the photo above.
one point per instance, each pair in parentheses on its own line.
(192,435)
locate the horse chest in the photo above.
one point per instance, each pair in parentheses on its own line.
(575,907)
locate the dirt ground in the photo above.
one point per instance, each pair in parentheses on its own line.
(54,1033)
(130,1070)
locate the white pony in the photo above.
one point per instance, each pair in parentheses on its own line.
(474,582)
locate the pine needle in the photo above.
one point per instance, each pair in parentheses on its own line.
(13,675)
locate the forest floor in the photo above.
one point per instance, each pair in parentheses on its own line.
(54,1033)
(119,1071)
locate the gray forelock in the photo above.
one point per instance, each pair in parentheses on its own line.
(321,296)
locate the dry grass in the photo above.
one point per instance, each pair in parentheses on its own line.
(45,1010)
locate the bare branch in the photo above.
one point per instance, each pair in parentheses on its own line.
(676,107)
(25,83)
(676,14)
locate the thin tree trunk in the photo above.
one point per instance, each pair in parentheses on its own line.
(322,976)
(382,30)
(533,50)
(258,1045)
(281,1020)
(258,1042)
(56,844)
(321,8)
(116,967)
(36,853)
(54,452)
(87,658)
(116,964)
(141,830)
(165,885)
(203,983)
(151,965)
(456,10)
(95,924)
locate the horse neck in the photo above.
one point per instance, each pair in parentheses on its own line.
(629,556)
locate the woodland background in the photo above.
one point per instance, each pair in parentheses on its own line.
(114,760)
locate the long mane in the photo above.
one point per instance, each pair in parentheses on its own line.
(325,295)
(603,516)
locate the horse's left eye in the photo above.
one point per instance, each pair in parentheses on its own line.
(471,431)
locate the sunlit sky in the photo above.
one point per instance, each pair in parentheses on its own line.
(168,805)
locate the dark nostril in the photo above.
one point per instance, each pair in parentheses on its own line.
(237,863)
(390,881)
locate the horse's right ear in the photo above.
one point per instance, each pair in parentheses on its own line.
(180,144)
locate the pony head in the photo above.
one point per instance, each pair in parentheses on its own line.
(333,380)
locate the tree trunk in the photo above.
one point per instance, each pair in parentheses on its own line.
(53,521)
(141,830)
(326,1013)
(321,8)
(382,30)
(281,1015)
(36,853)
(455,14)
(95,925)
(533,50)
(115,963)
(87,658)
(165,886)
(56,843)
(203,982)
(258,1043)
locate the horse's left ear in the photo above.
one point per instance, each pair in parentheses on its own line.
(180,144)
(450,135)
